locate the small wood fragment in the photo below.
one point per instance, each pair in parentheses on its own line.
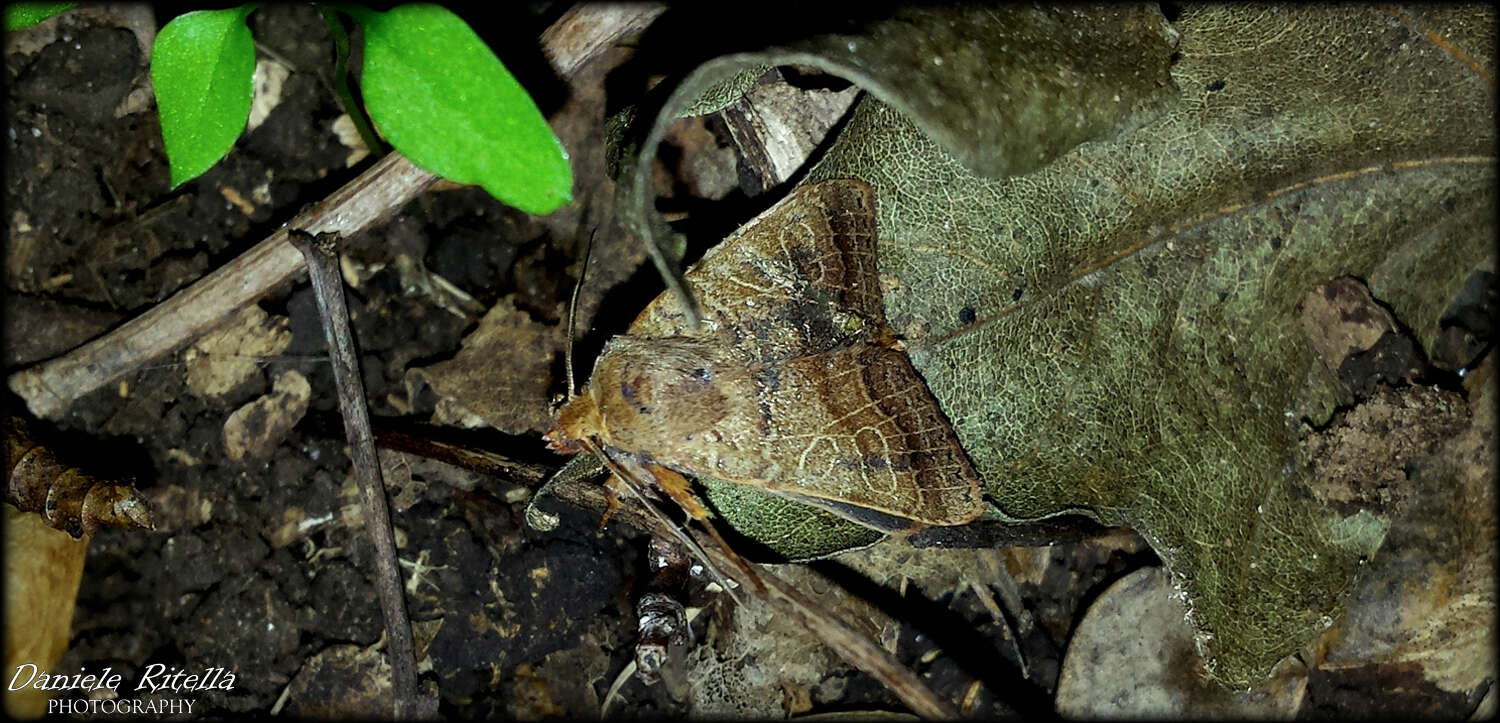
(328,288)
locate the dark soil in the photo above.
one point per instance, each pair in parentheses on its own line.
(260,567)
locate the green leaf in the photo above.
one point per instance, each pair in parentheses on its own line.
(1116,330)
(19,16)
(438,94)
(1105,309)
(203,67)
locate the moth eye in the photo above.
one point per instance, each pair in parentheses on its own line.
(702,374)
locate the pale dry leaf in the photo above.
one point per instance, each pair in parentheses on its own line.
(253,431)
(227,356)
(500,375)
(270,77)
(349,137)
(43,568)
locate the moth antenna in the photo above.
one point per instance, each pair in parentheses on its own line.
(588,251)
(636,488)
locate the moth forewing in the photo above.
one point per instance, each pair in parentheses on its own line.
(794,384)
(799,279)
(854,427)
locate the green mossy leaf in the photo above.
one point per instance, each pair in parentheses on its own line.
(19,16)
(1111,328)
(438,94)
(203,69)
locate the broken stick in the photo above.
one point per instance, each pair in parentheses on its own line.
(321,254)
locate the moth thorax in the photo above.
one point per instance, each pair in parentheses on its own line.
(577,419)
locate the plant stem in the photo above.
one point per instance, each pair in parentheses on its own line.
(321,254)
(341,83)
(51,386)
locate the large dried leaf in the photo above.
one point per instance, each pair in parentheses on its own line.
(1113,331)
(43,568)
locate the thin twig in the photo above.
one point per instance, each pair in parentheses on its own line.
(321,254)
(588,29)
(859,650)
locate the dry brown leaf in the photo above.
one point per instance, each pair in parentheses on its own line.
(64,497)
(228,355)
(500,375)
(1428,597)
(1341,318)
(340,682)
(253,431)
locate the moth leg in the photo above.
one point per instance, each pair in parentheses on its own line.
(680,491)
(611,503)
(632,474)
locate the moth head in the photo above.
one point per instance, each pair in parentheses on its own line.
(577,419)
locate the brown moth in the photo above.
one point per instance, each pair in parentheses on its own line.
(793,384)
